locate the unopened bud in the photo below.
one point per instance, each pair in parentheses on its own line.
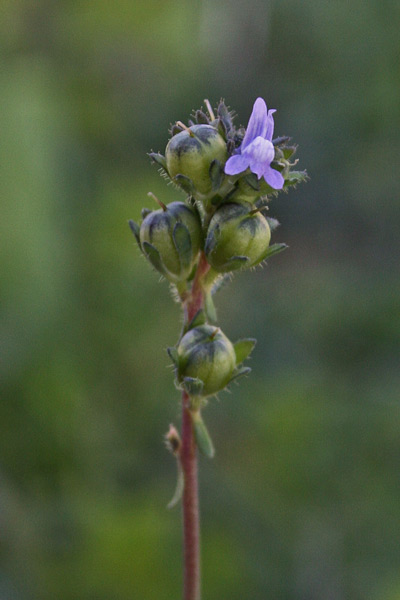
(170,238)
(190,154)
(237,238)
(206,355)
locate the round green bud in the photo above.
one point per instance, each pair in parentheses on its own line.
(171,238)
(205,353)
(237,238)
(191,152)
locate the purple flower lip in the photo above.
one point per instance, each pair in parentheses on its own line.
(257,151)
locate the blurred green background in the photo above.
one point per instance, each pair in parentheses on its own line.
(302,501)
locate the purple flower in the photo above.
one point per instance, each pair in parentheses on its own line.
(257,151)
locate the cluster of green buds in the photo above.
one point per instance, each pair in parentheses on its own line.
(228,176)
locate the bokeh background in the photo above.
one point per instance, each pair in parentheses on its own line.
(302,501)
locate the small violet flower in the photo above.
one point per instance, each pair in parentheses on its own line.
(257,151)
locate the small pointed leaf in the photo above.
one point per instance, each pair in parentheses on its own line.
(154,257)
(180,485)
(183,244)
(210,308)
(203,439)
(243,349)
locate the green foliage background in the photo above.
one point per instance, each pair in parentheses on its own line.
(302,501)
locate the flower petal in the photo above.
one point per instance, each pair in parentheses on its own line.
(274,178)
(236,164)
(258,123)
(270,125)
(259,155)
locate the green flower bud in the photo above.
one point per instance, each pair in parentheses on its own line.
(237,238)
(171,238)
(189,155)
(206,357)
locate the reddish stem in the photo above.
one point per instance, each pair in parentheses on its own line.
(196,298)
(191,525)
(188,457)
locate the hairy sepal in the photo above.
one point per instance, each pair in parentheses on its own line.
(243,349)
(274,249)
(136,232)
(153,256)
(183,244)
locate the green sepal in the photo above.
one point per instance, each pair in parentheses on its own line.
(236,262)
(154,257)
(243,349)
(295,177)
(225,116)
(136,232)
(193,386)
(183,244)
(239,372)
(210,308)
(265,189)
(274,249)
(252,180)
(211,240)
(175,129)
(159,159)
(216,174)
(180,486)
(203,439)
(185,183)
(198,319)
(201,118)
(222,129)
(145,212)
(288,151)
(173,354)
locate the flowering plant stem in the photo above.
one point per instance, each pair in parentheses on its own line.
(188,457)
(227,175)
(190,505)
